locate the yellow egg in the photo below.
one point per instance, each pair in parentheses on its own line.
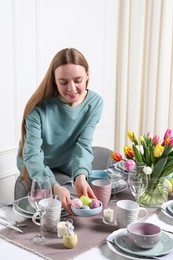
(171,180)
(169,186)
(70,241)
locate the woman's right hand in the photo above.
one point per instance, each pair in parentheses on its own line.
(64,196)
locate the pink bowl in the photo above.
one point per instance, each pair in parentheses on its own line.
(144,235)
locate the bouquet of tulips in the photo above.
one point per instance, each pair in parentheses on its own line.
(155,153)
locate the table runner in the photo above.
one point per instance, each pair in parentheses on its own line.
(91,232)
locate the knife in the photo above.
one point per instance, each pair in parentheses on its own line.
(11,226)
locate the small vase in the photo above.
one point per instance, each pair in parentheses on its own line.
(155,195)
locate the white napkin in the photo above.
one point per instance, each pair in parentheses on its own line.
(10,215)
(163,221)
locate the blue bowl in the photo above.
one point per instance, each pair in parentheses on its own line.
(98,174)
(87,212)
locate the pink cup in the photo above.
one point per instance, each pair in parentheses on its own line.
(102,190)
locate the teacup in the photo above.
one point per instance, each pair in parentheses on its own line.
(128,211)
(51,217)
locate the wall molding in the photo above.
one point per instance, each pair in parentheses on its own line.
(9,174)
(8,159)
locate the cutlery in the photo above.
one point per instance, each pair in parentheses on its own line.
(11,226)
(13,222)
(146,257)
(171,232)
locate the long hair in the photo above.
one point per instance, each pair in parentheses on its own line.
(47,87)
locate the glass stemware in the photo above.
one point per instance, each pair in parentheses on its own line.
(115,175)
(40,189)
(137,183)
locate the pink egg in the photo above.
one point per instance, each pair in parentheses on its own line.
(77,203)
(94,204)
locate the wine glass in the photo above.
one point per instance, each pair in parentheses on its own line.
(115,175)
(40,189)
(137,184)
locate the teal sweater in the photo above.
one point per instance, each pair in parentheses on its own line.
(60,136)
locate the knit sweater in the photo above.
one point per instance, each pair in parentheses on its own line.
(60,136)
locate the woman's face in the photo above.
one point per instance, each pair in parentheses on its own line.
(71,83)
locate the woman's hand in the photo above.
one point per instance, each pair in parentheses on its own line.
(82,187)
(64,196)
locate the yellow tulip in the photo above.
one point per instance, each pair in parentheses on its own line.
(141,138)
(158,150)
(131,135)
(128,151)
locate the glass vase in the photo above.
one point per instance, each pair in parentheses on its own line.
(155,195)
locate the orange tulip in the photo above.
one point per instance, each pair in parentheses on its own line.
(116,156)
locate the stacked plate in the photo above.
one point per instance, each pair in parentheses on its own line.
(168,209)
(24,209)
(121,245)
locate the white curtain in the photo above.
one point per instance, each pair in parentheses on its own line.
(144,86)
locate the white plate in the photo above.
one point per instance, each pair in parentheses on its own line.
(170,208)
(118,251)
(21,213)
(165,205)
(164,246)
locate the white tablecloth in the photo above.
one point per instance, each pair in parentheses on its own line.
(10,251)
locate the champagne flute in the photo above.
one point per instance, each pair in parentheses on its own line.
(40,189)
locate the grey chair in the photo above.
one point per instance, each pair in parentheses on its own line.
(101,156)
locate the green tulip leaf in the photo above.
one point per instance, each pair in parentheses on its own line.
(137,155)
(159,167)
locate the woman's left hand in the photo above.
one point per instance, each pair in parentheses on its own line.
(82,187)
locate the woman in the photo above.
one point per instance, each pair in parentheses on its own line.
(58,125)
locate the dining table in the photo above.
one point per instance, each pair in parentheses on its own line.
(92,233)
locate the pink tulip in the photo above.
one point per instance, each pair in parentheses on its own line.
(129,165)
(168,134)
(148,134)
(155,139)
(170,143)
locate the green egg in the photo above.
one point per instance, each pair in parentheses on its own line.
(85,200)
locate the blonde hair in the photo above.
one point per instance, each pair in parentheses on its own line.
(47,87)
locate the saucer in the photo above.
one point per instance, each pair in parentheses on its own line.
(24,206)
(164,246)
(24,209)
(121,186)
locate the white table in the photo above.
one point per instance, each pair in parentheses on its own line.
(10,251)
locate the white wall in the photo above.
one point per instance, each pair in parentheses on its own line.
(32,32)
